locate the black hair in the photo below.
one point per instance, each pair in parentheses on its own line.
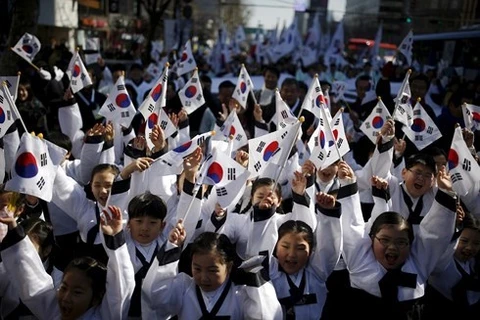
(435,151)
(19,198)
(420,77)
(147,204)
(219,244)
(205,78)
(136,66)
(457,97)
(272,69)
(261,182)
(296,226)
(95,271)
(227,84)
(171,83)
(60,139)
(364,78)
(421,158)
(303,86)
(104,167)
(118,67)
(393,218)
(290,82)
(42,232)
(25,82)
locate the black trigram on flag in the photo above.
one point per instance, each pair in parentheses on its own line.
(378,110)
(418,138)
(231,175)
(337,122)
(260,147)
(456,177)
(320,121)
(375,133)
(400,110)
(166,162)
(284,135)
(165,78)
(416,112)
(404,99)
(111,107)
(339,143)
(1,99)
(74,82)
(321,156)
(284,114)
(430,130)
(8,83)
(125,114)
(120,87)
(257,166)
(317,89)
(82,76)
(367,125)
(41,183)
(43,159)
(200,140)
(467,165)
(221,192)
(239,137)
(199,97)
(194,80)
(188,103)
(151,107)
(163,124)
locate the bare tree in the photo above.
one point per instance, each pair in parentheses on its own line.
(155,10)
(24,19)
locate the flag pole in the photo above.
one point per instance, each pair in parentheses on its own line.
(277,176)
(19,73)
(12,104)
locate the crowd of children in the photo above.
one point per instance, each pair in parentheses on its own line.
(388,239)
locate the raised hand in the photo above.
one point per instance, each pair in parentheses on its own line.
(379,183)
(174,118)
(242,158)
(222,116)
(177,235)
(111,223)
(325,200)
(139,164)
(443,180)
(399,145)
(308,168)
(158,138)
(299,183)
(97,130)
(109,131)
(191,164)
(258,114)
(182,115)
(345,171)
(139,143)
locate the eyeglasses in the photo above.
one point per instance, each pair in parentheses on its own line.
(420,174)
(399,243)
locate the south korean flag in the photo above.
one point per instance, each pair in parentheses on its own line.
(423,131)
(372,125)
(471,116)
(463,169)
(118,107)
(186,63)
(33,172)
(27,47)
(191,94)
(7,110)
(78,74)
(243,87)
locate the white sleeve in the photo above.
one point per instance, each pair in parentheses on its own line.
(71,123)
(328,235)
(81,170)
(260,302)
(260,129)
(34,284)
(189,209)
(435,233)
(163,287)
(120,278)
(302,210)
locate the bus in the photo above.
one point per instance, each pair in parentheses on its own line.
(459,49)
(360,47)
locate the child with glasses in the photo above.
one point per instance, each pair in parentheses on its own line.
(388,265)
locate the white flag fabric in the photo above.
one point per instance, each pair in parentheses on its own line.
(186,63)
(315,102)
(403,109)
(118,107)
(78,74)
(272,148)
(228,177)
(232,127)
(423,131)
(12,84)
(372,125)
(7,111)
(405,47)
(154,71)
(33,173)
(157,96)
(160,117)
(156,51)
(376,46)
(463,169)
(322,143)
(283,113)
(339,88)
(471,116)
(243,87)
(312,40)
(27,47)
(191,95)
(334,53)
(338,132)
(92,44)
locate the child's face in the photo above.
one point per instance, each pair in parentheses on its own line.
(101,186)
(265,198)
(391,246)
(75,294)
(208,271)
(418,179)
(327,174)
(468,245)
(293,252)
(22,93)
(145,229)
